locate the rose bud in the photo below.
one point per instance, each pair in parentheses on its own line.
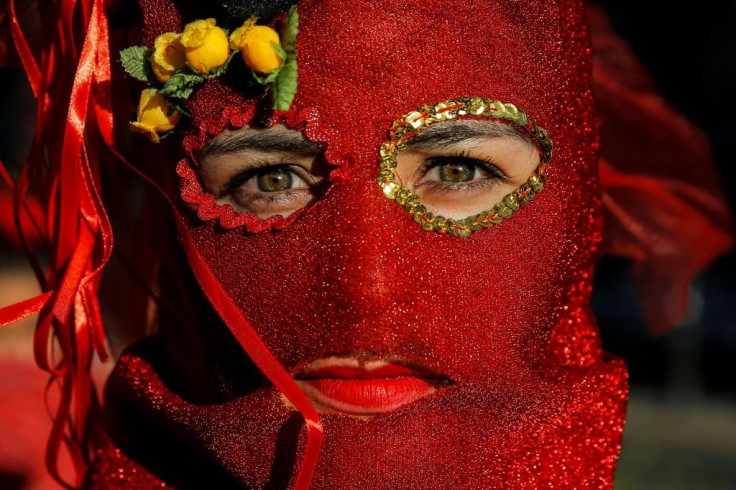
(155,115)
(168,56)
(205,45)
(255,44)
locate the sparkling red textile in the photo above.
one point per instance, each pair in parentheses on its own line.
(504,312)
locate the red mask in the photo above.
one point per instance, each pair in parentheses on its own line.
(503,314)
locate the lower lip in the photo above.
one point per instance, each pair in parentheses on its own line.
(366,396)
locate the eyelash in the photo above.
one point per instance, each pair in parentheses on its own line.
(464,157)
(232,185)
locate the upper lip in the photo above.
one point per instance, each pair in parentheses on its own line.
(352,367)
(357,386)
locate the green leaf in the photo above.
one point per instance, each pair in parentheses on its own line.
(181,85)
(279,50)
(291,29)
(135,60)
(269,78)
(178,106)
(284,87)
(162,136)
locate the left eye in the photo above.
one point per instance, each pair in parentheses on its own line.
(270,190)
(456,172)
(459,170)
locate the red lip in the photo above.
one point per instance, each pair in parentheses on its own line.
(349,386)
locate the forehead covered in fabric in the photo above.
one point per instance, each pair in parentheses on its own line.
(362,63)
(363,60)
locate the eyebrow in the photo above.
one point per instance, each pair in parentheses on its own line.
(438,136)
(265,140)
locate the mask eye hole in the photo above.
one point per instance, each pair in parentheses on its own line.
(463,165)
(266,172)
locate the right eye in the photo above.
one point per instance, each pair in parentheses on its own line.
(264,171)
(270,190)
(276,180)
(456,172)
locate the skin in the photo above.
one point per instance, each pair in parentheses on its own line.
(457,168)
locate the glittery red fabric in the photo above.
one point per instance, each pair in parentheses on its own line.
(504,313)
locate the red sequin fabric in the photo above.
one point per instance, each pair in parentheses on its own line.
(504,313)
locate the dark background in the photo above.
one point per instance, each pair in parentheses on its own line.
(691,54)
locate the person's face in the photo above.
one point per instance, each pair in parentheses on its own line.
(457,169)
(342,283)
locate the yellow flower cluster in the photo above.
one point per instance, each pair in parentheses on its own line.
(202,47)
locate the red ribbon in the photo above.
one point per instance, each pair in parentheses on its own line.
(81,234)
(24,52)
(23,309)
(259,353)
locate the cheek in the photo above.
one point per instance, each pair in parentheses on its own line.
(493,303)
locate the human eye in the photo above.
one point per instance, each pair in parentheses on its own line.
(468,177)
(268,189)
(457,173)
(264,171)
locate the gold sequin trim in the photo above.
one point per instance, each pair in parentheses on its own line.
(412,124)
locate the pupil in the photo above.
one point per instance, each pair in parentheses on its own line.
(277,180)
(457,172)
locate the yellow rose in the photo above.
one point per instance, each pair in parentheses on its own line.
(168,56)
(254,43)
(155,115)
(205,45)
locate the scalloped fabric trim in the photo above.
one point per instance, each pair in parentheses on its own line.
(203,202)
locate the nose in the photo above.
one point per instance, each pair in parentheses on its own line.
(364,250)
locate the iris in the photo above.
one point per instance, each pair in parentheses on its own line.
(457,172)
(274,180)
